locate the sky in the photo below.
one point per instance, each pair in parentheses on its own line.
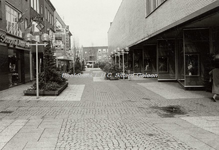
(88,20)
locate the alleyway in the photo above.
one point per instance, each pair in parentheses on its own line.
(97,114)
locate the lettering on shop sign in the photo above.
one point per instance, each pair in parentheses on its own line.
(12,41)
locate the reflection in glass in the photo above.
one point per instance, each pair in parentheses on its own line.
(163,64)
(192,67)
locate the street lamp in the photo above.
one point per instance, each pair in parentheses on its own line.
(118,50)
(35,38)
(125,51)
(115,55)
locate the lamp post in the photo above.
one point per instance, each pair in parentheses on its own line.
(115,55)
(126,51)
(118,50)
(30,38)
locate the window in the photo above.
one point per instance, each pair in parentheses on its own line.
(25,23)
(99,50)
(52,20)
(12,16)
(41,9)
(31,3)
(151,5)
(35,5)
(46,13)
(38,6)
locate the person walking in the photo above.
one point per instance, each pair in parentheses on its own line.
(215,76)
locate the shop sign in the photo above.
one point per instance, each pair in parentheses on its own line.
(12,41)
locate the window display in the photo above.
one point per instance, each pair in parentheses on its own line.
(163,64)
(13,68)
(192,66)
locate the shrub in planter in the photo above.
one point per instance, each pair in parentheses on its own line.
(78,67)
(52,86)
(50,78)
(115,70)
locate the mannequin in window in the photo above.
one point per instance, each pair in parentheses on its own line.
(190,68)
(147,67)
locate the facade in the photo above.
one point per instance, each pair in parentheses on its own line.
(62,44)
(172,38)
(17,18)
(14,54)
(102,54)
(93,54)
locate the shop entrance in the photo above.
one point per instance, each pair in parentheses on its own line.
(14,67)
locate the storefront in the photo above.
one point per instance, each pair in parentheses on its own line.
(64,63)
(15,61)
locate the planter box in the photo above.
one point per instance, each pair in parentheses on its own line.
(46,93)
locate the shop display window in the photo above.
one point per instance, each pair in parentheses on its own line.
(13,68)
(192,64)
(163,64)
(148,65)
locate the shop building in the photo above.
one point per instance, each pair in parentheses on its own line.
(15,65)
(62,45)
(93,54)
(173,38)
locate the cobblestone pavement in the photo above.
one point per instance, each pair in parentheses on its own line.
(108,115)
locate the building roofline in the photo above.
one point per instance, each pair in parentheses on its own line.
(51,5)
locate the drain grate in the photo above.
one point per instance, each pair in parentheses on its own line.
(6,112)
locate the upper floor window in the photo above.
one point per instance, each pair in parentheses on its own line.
(25,23)
(35,5)
(99,50)
(151,5)
(41,9)
(12,16)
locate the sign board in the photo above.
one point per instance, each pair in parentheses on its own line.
(12,41)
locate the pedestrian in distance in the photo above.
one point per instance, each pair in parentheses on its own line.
(214,75)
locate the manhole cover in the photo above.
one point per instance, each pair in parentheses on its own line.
(6,112)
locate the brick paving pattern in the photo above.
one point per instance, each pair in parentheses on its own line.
(105,115)
(133,133)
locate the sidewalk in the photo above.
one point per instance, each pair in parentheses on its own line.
(93,113)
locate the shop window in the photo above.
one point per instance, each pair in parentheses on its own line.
(163,64)
(14,70)
(192,64)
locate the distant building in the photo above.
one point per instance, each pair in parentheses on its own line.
(94,54)
(62,44)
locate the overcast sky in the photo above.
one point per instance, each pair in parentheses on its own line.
(89,20)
